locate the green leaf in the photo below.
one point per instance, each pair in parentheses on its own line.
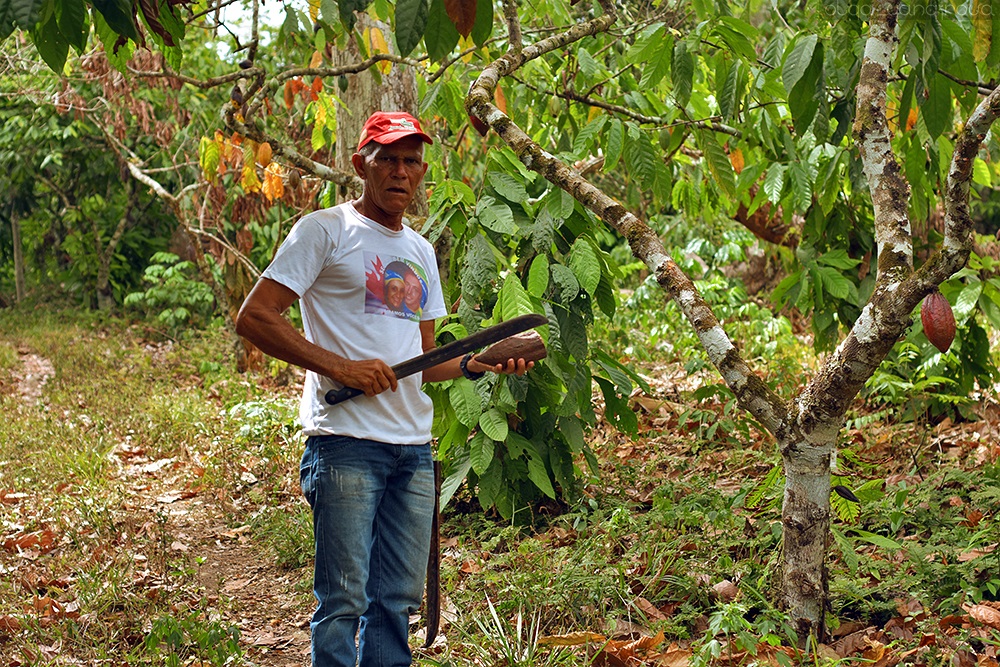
(658,63)
(807,94)
(729,94)
(440,34)
(878,540)
(538,276)
(620,373)
(508,186)
(465,400)
(72,16)
(797,62)
(718,163)
(119,15)
(605,297)
(836,283)
(737,35)
(347,11)
(26,12)
(682,73)
(838,259)
(585,264)
(450,485)
(774,183)
(482,29)
(937,108)
(51,45)
(801,187)
(411,20)
(513,300)
(481,451)
(568,284)
(572,430)
(966,302)
(617,410)
(615,144)
(538,472)
(494,424)
(496,215)
(586,136)
(640,156)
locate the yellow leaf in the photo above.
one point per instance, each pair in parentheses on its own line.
(594,113)
(316,60)
(982,28)
(736,157)
(273,187)
(376,45)
(250,182)
(314,10)
(466,44)
(572,639)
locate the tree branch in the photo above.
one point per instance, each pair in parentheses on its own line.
(889,191)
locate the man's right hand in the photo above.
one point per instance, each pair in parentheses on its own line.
(372,376)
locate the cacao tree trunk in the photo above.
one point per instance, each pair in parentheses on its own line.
(805,519)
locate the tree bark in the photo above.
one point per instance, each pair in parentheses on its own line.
(105,253)
(15,227)
(397,91)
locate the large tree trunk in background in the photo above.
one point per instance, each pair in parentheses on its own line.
(396,92)
(15,225)
(106,253)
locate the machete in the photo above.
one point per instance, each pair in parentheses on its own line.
(448,351)
(432,612)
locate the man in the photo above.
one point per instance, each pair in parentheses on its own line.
(366,470)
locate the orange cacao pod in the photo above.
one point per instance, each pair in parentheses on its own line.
(938,321)
(264,154)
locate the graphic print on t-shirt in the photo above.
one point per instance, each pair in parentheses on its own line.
(394,286)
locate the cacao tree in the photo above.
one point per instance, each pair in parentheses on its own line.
(834,131)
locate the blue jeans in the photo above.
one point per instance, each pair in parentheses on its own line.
(372,507)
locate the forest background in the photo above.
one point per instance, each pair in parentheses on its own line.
(730,214)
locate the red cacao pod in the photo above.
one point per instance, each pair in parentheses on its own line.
(481,127)
(938,321)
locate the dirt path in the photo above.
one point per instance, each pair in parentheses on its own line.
(236,575)
(256,596)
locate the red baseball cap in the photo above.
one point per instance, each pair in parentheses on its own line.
(386,127)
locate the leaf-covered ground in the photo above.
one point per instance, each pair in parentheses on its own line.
(151,515)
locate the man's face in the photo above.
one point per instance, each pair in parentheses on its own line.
(414,291)
(392,174)
(395,291)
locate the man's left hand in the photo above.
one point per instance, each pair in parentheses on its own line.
(512,367)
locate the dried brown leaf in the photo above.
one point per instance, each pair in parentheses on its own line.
(983,614)
(462,13)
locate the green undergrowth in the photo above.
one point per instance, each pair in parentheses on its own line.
(679,533)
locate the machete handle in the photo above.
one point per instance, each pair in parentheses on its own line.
(335,396)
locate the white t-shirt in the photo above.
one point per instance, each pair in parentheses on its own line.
(363,290)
